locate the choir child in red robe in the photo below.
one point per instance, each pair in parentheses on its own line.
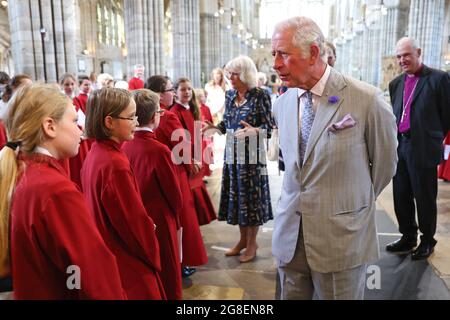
(55,248)
(207,142)
(136,82)
(188,112)
(157,177)
(80,101)
(113,195)
(444,167)
(194,252)
(3,136)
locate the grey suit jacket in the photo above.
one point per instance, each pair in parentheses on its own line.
(334,192)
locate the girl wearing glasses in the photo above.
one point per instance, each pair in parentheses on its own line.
(194,252)
(51,231)
(112,193)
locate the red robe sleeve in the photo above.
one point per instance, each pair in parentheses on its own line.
(122,200)
(167,176)
(172,123)
(3,136)
(71,238)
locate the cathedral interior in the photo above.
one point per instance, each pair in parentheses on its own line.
(46,39)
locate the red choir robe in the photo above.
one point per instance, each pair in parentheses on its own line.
(113,196)
(135,84)
(157,178)
(203,204)
(51,230)
(194,252)
(3,135)
(207,142)
(75,163)
(444,167)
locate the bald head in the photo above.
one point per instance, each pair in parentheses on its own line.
(408,55)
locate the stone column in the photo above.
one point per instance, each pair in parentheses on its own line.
(209,39)
(226,34)
(394,25)
(43,38)
(426,25)
(144,25)
(186,39)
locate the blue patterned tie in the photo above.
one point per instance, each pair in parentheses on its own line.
(307,122)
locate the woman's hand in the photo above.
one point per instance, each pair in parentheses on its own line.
(209,129)
(196,168)
(247,131)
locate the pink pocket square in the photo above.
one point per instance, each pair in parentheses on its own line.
(346,122)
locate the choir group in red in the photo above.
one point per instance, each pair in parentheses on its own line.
(111,201)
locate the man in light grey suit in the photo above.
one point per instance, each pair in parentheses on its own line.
(338,138)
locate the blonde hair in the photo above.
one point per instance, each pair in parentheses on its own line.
(222,81)
(28,107)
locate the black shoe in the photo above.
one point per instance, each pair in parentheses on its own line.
(187,271)
(403,245)
(423,251)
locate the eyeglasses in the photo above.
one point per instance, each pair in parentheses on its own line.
(160,111)
(133,118)
(169,90)
(231,74)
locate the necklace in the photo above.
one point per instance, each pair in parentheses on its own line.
(408,101)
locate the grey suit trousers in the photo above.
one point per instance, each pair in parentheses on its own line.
(298,282)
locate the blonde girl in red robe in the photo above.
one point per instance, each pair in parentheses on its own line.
(55,248)
(112,193)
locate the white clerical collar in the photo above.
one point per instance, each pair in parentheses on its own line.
(143,129)
(319,87)
(42,151)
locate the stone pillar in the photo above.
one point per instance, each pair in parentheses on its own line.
(186,39)
(426,25)
(43,38)
(209,39)
(394,25)
(144,25)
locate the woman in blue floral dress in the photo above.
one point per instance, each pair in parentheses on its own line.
(245,195)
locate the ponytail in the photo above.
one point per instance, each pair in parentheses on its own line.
(8,177)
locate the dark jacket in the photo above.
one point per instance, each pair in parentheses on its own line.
(430,114)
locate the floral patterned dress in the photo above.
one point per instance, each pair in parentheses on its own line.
(245,195)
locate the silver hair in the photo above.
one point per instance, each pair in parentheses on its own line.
(413,42)
(247,69)
(306,33)
(262,77)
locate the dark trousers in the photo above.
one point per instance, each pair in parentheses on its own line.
(413,183)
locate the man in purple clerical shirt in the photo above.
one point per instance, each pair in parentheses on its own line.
(421,103)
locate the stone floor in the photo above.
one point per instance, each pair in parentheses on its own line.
(226,278)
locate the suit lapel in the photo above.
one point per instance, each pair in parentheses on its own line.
(422,80)
(325,110)
(398,107)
